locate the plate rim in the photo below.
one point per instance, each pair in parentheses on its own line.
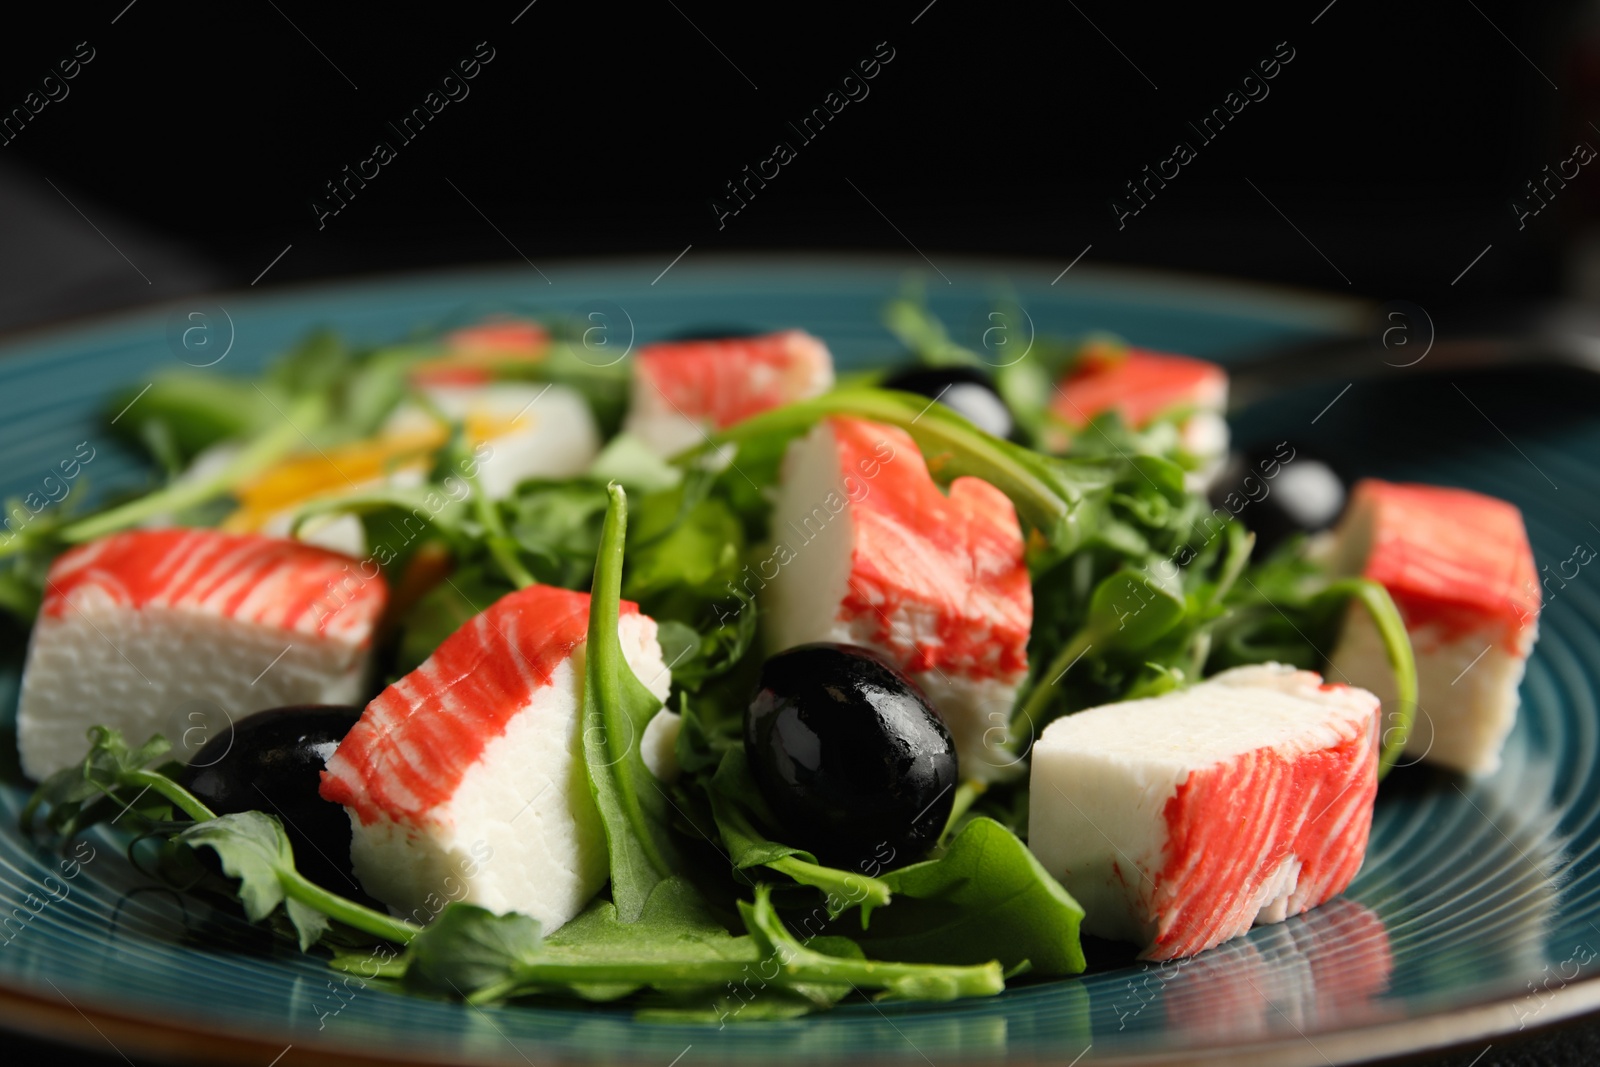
(1282,298)
(26,1011)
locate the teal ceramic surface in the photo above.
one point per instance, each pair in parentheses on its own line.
(1477,913)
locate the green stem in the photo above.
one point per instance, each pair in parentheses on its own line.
(180,797)
(1045,490)
(804,967)
(294,883)
(303,416)
(875,892)
(363,918)
(1236,556)
(1402,660)
(966,793)
(1025,720)
(501,545)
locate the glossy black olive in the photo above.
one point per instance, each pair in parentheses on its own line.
(849,755)
(271,762)
(716,331)
(968,392)
(1277,492)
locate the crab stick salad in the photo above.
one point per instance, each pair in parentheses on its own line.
(1183,398)
(615,679)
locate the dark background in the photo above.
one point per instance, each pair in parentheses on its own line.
(1395,141)
(188,152)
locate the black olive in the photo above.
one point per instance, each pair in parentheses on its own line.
(852,760)
(965,390)
(720,331)
(1278,492)
(271,762)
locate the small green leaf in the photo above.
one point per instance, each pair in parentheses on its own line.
(736,805)
(468,948)
(700,550)
(986,898)
(1131,610)
(616,709)
(900,981)
(95,788)
(309,923)
(634,465)
(253,848)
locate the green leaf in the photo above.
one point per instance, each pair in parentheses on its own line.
(382,962)
(678,640)
(909,319)
(253,848)
(95,788)
(560,522)
(616,709)
(899,981)
(698,550)
(736,805)
(194,410)
(316,363)
(698,658)
(1128,611)
(1131,610)
(679,947)
(985,898)
(676,944)
(634,465)
(468,948)
(309,924)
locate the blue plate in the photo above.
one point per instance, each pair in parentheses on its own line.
(1476,912)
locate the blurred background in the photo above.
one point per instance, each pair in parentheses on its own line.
(1388,154)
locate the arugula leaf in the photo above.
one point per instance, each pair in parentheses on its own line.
(985,898)
(678,947)
(616,709)
(468,948)
(1128,611)
(634,465)
(558,524)
(96,788)
(192,410)
(898,981)
(907,317)
(310,925)
(251,847)
(701,657)
(737,805)
(695,549)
